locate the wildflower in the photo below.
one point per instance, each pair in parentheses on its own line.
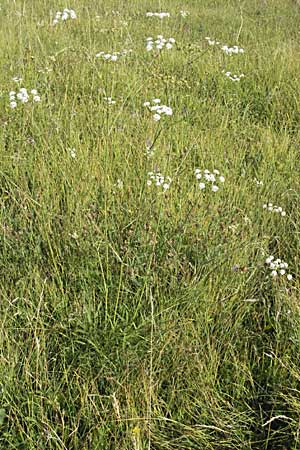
(277,267)
(112,56)
(232,50)
(209,178)
(65,15)
(158,109)
(258,182)
(109,100)
(212,41)
(72,152)
(161,15)
(234,77)
(274,208)
(23,96)
(157,179)
(184,14)
(119,184)
(159,43)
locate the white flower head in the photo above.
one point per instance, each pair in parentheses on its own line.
(159,180)
(23,96)
(159,43)
(210,178)
(158,109)
(277,267)
(72,152)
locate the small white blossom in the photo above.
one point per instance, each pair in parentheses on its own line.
(72,152)
(274,208)
(23,96)
(63,16)
(234,77)
(159,43)
(232,50)
(119,184)
(277,267)
(212,41)
(210,178)
(158,109)
(158,180)
(109,100)
(113,56)
(184,13)
(258,182)
(160,15)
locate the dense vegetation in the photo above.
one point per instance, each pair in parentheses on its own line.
(137,312)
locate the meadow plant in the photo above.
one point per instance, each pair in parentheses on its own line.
(65,15)
(23,96)
(212,41)
(158,109)
(109,101)
(235,50)
(184,13)
(274,208)
(160,15)
(277,267)
(113,56)
(160,43)
(234,77)
(137,310)
(209,179)
(159,180)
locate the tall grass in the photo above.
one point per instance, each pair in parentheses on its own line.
(133,318)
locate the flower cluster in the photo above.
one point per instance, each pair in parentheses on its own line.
(161,15)
(65,15)
(228,50)
(159,43)
(23,96)
(209,177)
(72,152)
(274,208)
(212,41)
(184,13)
(277,267)
(234,77)
(258,182)
(232,50)
(109,100)
(159,110)
(158,179)
(112,56)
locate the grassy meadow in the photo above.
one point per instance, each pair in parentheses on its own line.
(143,313)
